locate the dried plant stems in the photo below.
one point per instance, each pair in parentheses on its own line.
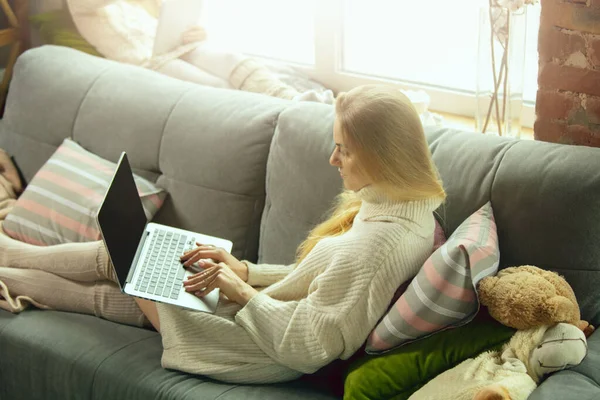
(505,64)
(500,77)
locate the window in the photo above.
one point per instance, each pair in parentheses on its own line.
(280,29)
(428,45)
(427,42)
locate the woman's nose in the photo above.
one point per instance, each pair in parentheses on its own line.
(333,160)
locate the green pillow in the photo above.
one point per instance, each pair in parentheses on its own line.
(402,371)
(57,27)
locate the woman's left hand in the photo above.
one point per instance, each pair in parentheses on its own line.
(222,277)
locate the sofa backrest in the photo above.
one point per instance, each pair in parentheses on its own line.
(220,153)
(300,185)
(207,147)
(545,197)
(546,201)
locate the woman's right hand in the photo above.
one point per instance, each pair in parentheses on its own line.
(219,255)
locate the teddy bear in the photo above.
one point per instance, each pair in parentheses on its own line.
(527,297)
(551,336)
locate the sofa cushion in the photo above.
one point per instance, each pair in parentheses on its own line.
(468,165)
(60,204)
(301,185)
(50,355)
(443,294)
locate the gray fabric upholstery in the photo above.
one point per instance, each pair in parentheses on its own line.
(545,201)
(53,355)
(301,185)
(249,167)
(201,143)
(547,207)
(468,165)
(581,382)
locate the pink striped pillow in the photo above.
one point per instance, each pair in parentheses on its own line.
(60,203)
(443,294)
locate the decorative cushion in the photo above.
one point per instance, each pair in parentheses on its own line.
(60,203)
(443,294)
(439,237)
(57,27)
(402,371)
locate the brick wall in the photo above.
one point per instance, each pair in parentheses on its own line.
(568,99)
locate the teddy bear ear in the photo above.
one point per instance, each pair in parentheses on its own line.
(560,309)
(484,288)
(513,270)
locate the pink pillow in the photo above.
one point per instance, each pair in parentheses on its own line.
(60,203)
(443,294)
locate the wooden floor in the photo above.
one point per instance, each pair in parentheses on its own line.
(468,124)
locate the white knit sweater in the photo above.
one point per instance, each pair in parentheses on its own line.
(312,314)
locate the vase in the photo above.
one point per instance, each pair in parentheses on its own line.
(500,70)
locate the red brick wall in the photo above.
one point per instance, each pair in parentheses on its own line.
(568,99)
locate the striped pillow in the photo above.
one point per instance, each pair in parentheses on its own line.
(60,203)
(443,294)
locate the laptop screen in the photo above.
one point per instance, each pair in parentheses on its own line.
(122,219)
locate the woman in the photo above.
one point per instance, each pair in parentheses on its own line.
(322,307)
(124,30)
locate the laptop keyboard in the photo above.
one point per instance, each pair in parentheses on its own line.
(162,273)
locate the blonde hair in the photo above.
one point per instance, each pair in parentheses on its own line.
(386,135)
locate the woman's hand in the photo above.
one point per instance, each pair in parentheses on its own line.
(218,255)
(194,34)
(220,276)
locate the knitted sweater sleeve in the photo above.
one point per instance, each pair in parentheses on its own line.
(266,274)
(331,323)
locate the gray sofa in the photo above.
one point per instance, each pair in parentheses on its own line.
(255,170)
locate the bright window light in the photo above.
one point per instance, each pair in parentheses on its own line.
(431,42)
(343,43)
(279,29)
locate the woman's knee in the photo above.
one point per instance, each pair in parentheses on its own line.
(112,304)
(149,309)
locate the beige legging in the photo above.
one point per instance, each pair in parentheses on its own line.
(74,277)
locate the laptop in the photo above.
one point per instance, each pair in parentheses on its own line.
(145,256)
(176,17)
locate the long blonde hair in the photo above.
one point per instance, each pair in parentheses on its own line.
(387,138)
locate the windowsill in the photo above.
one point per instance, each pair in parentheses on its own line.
(468,124)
